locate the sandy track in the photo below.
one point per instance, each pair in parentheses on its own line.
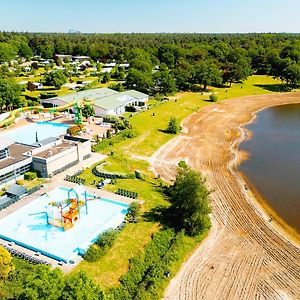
(244,256)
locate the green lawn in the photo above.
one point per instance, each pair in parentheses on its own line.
(151,137)
(132,240)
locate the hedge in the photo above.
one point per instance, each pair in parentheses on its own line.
(30,175)
(121,136)
(104,242)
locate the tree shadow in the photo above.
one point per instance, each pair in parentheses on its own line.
(275,87)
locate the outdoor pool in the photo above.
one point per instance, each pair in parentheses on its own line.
(42,130)
(33,232)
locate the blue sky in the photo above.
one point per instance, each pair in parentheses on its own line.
(150,15)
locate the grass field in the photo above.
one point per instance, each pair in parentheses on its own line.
(134,237)
(150,127)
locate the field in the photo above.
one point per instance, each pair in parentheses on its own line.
(151,136)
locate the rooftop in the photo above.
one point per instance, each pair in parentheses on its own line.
(90,94)
(135,94)
(5,142)
(16,154)
(49,152)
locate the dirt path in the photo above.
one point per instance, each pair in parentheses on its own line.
(244,256)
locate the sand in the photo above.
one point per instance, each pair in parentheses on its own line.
(245,256)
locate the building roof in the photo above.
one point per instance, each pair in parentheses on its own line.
(5,142)
(46,141)
(135,94)
(16,190)
(16,155)
(113,101)
(102,97)
(90,94)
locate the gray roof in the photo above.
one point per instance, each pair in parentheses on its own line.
(90,94)
(113,101)
(5,142)
(17,190)
(135,94)
(46,141)
(102,97)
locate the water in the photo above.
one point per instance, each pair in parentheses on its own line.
(33,232)
(27,134)
(274,163)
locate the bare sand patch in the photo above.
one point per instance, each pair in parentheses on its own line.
(245,256)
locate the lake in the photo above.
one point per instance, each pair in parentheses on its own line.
(273,167)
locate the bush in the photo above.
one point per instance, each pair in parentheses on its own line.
(173,126)
(133,212)
(30,175)
(130,108)
(104,242)
(110,119)
(121,136)
(48,95)
(74,130)
(182,164)
(213,97)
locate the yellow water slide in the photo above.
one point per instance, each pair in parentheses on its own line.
(15,113)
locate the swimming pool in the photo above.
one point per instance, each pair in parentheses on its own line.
(27,134)
(33,232)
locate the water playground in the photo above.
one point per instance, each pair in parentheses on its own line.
(62,223)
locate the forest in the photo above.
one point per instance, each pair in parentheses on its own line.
(165,63)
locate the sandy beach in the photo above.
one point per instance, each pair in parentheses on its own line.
(245,256)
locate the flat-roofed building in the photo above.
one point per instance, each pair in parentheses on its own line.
(106,101)
(49,157)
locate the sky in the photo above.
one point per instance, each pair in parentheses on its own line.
(105,16)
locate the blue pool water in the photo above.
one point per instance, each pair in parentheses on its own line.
(27,134)
(33,232)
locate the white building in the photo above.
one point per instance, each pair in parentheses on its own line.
(106,101)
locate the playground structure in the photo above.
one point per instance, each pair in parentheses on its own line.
(64,214)
(77,106)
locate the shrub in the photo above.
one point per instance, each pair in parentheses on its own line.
(173,126)
(30,175)
(121,136)
(48,95)
(104,242)
(133,212)
(130,108)
(110,119)
(213,97)
(182,164)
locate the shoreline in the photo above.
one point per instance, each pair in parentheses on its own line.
(266,211)
(260,256)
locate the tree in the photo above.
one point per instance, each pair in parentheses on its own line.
(56,78)
(9,94)
(88,111)
(25,51)
(173,126)
(105,78)
(6,266)
(43,283)
(7,52)
(291,74)
(190,206)
(139,80)
(237,68)
(80,286)
(207,73)
(165,82)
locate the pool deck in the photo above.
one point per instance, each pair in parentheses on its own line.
(51,184)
